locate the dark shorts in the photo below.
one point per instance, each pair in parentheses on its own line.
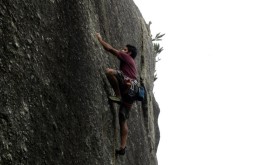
(120,77)
(127,100)
(123,113)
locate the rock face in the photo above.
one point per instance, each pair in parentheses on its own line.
(53,90)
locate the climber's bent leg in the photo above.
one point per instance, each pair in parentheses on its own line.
(112,77)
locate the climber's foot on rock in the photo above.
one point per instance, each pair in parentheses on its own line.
(115,99)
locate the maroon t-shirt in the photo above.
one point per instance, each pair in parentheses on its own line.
(127,65)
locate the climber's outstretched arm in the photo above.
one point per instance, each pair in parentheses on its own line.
(107,46)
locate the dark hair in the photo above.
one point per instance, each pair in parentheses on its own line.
(133,50)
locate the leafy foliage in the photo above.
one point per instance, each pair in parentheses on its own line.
(157,49)
(158,37)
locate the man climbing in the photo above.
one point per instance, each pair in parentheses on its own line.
(121,80)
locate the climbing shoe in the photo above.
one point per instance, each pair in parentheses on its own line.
(121,151)
(115,99)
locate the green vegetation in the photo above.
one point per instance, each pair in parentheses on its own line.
(157,49)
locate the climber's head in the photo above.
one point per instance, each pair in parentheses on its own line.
(131,50)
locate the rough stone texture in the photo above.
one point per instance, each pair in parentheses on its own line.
(53,106)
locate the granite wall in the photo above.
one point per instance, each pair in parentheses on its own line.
(53,90)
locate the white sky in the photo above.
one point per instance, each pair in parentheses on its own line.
(206,80)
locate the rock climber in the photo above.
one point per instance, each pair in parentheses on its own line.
(121,80)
